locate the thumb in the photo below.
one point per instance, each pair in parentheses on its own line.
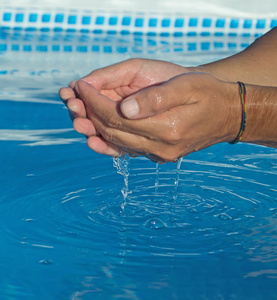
(86,92)
(97,104)
(152,100)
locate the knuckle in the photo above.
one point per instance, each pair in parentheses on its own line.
(113,121)
(108,134)
(156,99)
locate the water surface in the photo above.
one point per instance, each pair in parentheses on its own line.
(69,230)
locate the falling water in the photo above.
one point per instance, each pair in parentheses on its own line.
(176,183)
(122,166)
(157,180)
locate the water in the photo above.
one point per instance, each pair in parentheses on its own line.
(176,183)
(122,166)
(73,228)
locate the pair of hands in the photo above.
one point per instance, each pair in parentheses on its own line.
(152,108)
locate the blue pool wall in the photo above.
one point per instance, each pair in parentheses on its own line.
(41,28)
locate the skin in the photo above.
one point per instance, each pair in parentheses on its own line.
(180,109)
(116,82)
(167,136)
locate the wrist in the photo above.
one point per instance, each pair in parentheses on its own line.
(242,93)
(234,115)
(261,108)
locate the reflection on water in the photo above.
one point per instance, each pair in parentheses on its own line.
(39,137)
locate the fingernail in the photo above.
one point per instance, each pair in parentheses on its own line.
(72,107)
(130,108)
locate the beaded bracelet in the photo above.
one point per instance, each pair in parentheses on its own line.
(243,104)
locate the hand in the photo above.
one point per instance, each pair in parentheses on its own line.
(198,111)
(118,82)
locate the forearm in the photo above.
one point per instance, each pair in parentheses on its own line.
(255,65)
(261,116)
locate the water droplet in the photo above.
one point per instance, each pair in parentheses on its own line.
(46,262)
(154,224)
(224,217)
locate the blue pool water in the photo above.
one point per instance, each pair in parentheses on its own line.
(68,232)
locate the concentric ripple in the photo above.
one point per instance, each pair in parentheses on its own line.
(213,208)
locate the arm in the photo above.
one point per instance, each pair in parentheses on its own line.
(257,64)
(261,109)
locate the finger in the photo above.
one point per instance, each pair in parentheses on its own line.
(77,107)
(108,77)
(98,145)
(72,84)
(66,93)
(113,76)
(158,99)
(84,126)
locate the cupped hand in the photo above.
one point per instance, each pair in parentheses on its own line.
(117,82)
(198,111)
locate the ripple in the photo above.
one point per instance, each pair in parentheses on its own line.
(155,224)
(206,212)
(224,217)
(67,209)
(46,262)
